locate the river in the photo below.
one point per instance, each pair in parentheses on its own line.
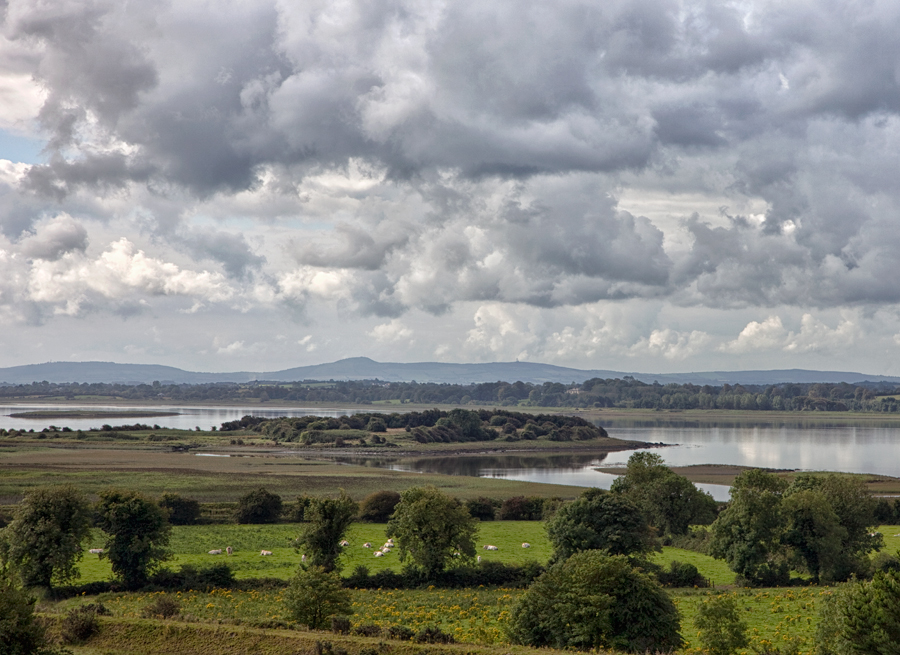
(869,447)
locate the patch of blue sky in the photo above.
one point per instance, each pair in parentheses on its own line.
(18,148)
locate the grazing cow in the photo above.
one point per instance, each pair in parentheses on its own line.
(345,543)
(378,553)
(229,550)
(96,551)
(490,547)
(391,541)
(217,551)
(303,558)
(479,558)
(526,545)
(367,545)
(265,552)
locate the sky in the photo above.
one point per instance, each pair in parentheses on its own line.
(635,185)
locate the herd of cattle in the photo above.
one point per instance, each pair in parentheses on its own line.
(381,552)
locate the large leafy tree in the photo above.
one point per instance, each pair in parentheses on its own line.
(44,540)
(137,534)
(600,521)
(258,506)
(593,600)
(430,528)
(748,533)
(670,501)
(862,618)
(327,522)
(314,595)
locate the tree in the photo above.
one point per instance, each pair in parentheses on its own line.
(593,600)
(430,527)
(137,534)
(44,539)
(747,534)
(314,595)
(258,506)
(20,633)
(829,525)
(862,618)
(719,626)
(182,511)
(378,507)
(327,522)
(670,501)
(599,520)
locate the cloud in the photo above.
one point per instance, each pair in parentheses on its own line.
(55,238)
(813,335)
(673,345)
(390,332)
(768,335)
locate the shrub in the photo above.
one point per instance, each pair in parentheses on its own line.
(379,506)
(259,506)
(682,574)
(182,511)
(432,635)
(401,632)
(367,630)
(520,508)
(593,600)
(314,595)
(719,626)
(481,508)
(163,607)
(376,424)
(80,624)
(20,633)
(340,624)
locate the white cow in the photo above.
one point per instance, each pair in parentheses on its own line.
(378,553)
(345,543)
(96,551)
(303,558)
(265,552)
(479,558)
(490,547)
(367,545)
(217,551)
(526,545)
(229,550)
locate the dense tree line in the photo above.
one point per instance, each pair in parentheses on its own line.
(596,392)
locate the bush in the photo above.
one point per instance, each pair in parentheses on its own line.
(216,576)
(520,508)
(340,624)
(378,507)
(401,632)
(314,595)
(376,424)
(432,635)
(164,607)
(80,624)
(719,626)
(593,600)
(682,574)
(481,508)
(182,511)
(20,633)
(367,630)
(257,507)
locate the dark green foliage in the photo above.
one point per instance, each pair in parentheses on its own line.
(44,540)
(215,576)
(748,533)
(720,629)
(137,534)
(80,624)
(314,595)
(340,625)
(401,633)
(296,513)
(376,424)
(327,520)
(378,507)
(682,574)
(670,501)
(599,520)
(367,630)
(430,527)
(432,635)
(520,508)
(862,618)
(20,633)
(483,509)
(163,607)
(593,600)
(258,506)
(182,511)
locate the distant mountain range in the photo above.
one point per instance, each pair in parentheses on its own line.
(363,368)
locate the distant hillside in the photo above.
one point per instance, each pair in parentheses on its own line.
(363,368)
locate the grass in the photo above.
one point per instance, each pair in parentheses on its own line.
(191,545)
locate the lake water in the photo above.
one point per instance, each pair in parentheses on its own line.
(872,447)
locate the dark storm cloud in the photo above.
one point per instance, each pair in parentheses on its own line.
(794,104)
